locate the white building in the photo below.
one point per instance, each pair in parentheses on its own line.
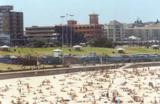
(117,31)
(114,30)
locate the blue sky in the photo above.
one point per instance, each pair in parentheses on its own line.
(48,12)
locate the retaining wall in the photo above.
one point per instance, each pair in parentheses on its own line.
(143,64)
(43,72)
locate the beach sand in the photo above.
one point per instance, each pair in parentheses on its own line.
(127,86)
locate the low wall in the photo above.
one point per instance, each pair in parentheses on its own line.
(143,64)
(43,72)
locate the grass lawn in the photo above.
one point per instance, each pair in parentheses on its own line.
(11,67)
(84,51)
(5,67)
(141,50)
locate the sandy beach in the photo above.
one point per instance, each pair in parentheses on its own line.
(120,86)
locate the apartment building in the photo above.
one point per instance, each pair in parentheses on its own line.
(144,32)
(114,31)
(11,23)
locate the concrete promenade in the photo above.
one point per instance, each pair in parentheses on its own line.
(72,69)
(141,64)
(55,71)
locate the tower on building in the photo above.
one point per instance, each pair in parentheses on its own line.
(94,19)
(72,22)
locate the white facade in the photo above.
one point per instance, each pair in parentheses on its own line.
(114,31)
(146,33)
(120,32)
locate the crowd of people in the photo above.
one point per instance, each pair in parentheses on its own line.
(114,86)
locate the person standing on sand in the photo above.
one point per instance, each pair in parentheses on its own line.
(107,94)
(117,100)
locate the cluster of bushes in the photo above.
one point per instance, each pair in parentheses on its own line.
(101,42)
(41,43)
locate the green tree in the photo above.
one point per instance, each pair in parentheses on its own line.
(38,43)
(101,42)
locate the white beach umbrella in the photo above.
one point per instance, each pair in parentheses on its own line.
(155,46)
(77,46)
(120,49)
(133,38)
(4,46)
(57,50)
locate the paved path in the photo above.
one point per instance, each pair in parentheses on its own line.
(74,68)
(139,64)
(43,72)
